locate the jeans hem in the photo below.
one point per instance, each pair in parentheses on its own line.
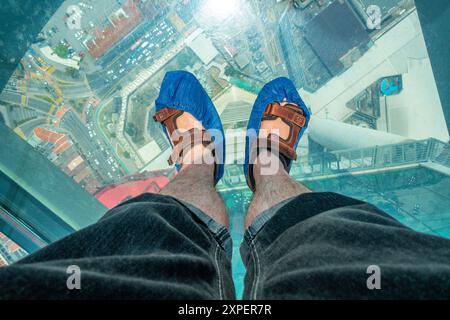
(220,233)
(312,204)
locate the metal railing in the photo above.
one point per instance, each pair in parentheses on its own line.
(326,164)
(378,157)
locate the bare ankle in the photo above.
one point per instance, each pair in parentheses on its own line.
(271,189)
(194,184)
(267,164)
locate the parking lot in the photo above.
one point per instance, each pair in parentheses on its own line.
(93,14)
(139,50)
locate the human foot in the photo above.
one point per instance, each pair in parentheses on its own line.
(278,120)
(184,107)
(279,132)
(191,143)
(185,110)
(276,126)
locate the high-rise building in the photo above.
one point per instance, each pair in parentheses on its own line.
(379,130)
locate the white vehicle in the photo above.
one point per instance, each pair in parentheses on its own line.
(121,70)
(144,44)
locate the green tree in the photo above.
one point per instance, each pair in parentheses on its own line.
(62,51)
(230,71)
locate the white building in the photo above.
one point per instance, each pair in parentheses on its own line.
(202,46)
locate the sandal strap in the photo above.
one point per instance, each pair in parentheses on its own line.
(187,140)
(294,118)
(182,142)
(287,150)
(168,118)
(164,114)
(272,144)
(289,113)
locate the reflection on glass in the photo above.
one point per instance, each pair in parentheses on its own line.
(84,92)
(9,251)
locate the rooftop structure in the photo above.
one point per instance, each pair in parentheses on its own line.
(151,8)
(113,195)
(52,56)
(120,24)
(305,68)
(386,6)
(59,140)
(9,251)
(202,46)
(334,32)
(236,112)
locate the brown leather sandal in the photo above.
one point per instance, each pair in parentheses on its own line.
(182,142)
(294,117)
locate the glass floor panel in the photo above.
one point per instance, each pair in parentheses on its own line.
(83,95)
(10,252)
(414,196)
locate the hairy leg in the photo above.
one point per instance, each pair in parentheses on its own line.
(277,186)
(271,189)
(194,183)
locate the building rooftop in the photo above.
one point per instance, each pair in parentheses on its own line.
(120,24)
(113,195)
(334,32)
(60,140)
(203,48)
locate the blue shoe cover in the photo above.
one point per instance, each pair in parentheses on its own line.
(181,90)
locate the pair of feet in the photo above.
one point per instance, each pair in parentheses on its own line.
(279,118)
(199,152)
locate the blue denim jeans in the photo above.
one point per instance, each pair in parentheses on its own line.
(314,246)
